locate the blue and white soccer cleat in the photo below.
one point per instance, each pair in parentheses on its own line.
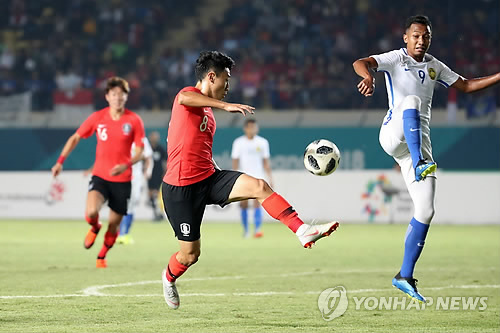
(408,286)
(423,169)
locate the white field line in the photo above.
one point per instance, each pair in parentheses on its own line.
(261,293)
(96,290)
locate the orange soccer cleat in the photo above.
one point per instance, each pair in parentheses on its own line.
(90,237)
(101,263)
(258,234)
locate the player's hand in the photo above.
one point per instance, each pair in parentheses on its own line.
(87,172)
(241,108)
(118,169)
(367,86)
(56,169)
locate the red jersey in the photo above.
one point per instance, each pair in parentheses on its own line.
(114,141)
(189,143)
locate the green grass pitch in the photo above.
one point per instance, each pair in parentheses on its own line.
(240,285)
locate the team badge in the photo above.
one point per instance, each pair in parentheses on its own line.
(126,128)
(432,73)
(185,229)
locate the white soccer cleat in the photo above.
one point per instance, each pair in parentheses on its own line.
(312,233)
(170,292)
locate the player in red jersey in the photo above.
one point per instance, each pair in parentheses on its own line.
(192,180)
(117,128)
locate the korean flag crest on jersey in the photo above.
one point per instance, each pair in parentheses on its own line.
(126,128)
(432,73)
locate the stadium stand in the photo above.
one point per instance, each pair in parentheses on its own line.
(290,54)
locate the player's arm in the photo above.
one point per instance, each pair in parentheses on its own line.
(67,149)
(476,84)
(197,100)
(364,68)
(267,168)
(88,171)
(236,163)
(235,154)
(148,166)
(120,168)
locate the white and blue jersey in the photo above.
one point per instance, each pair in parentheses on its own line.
(138,176)
(251,154)
(404,77)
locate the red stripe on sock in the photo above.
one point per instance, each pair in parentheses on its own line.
(94,222)
(281,210)
(109,241)
(175,268)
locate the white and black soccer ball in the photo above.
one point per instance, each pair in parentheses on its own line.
(321,157)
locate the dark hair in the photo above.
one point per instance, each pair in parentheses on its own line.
(249,121)
(212,60)
(116,81)
(420,19)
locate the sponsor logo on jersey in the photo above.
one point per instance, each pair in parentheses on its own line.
(432,73)
(126,128)
(185,229)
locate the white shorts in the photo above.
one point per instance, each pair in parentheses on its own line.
(393,142)
(135,194)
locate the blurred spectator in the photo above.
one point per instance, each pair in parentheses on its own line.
(292,54)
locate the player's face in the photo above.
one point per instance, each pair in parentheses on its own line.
(418,39)
(251,130)
(220,84)
(116,98)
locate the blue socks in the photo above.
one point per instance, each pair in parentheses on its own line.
(244,220)
(414,244)
(257,219)
(126,224)
(413,134)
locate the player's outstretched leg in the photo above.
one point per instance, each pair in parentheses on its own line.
(95,227)
(413,136)
(109,238)
(422,194)
(169,275)
(93,206)
(278,208)
(178,265)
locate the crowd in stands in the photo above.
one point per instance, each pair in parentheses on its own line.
(290,54)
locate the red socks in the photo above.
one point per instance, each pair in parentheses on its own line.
(94,222)
(281,210)
(175,269)
(109,241)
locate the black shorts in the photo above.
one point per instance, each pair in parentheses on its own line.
(116,193)
(185,205)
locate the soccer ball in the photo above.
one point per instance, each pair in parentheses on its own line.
(321,157)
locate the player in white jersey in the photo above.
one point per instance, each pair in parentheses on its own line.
(250,155)
(410,76)
(140,172)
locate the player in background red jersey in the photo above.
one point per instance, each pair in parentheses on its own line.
(116,129)
(192,181)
